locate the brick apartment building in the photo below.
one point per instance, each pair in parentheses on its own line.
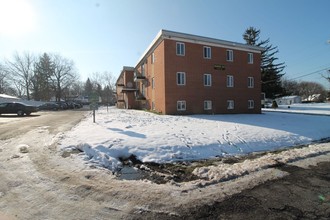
(188,74)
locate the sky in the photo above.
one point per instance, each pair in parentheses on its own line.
(105,35)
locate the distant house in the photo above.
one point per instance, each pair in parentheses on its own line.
(288,100)
(315,98)
(187,74)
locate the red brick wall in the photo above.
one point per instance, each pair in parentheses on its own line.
(154,70)
(166,92)
(194,92)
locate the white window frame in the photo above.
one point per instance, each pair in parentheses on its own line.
(181,78)
(230,81)
(250,104)
(230,55)
(250,58)
(250,82)
(207,79)
(181,105)
(207,105)
(230,104)
(153,105)
(152,58)
(153,82)
(207,52)
(180,49)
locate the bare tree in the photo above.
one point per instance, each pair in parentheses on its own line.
(109,87)
(303,89)
(20,71)
(327,76)
(103,84)
(19,89)
(109,80)
(77,88)
(104,79)
(64,75)
(290,87)
(96,79)
(308,89)
(3,83)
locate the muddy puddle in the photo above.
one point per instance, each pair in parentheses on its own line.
(169,172)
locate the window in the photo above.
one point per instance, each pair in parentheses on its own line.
(181,105)
(250,82)
(207,52)
(153,58)
(180,78)
(142,69)
(250,104)
(180,49)
(230,104)
(153,105)
(153,83)
(250,58)
(230,55)
(207,79)
(230,81)
(207,105)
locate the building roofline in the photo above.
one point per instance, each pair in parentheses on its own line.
(125,68)
(207,41)
(128,68)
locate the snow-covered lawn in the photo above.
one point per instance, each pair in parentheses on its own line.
(120,133)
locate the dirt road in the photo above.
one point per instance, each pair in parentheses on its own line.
(37,182)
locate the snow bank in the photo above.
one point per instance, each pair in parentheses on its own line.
(223,171)
(120,133)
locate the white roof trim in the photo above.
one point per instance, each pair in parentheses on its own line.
(177,36)
(209,41)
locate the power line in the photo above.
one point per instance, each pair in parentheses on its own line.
(308,74)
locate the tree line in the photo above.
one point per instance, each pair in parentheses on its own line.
(50,76)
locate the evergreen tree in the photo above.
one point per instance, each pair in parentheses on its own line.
(107,95)
(41,84)
(88,87)
(271,71)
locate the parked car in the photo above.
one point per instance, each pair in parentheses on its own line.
(49,106)
(62,105)
(73,105)
(18,108)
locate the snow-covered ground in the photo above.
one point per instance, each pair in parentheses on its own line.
(120,133)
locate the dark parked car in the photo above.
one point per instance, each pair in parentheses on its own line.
(49,106)
(18,108)
(62,105)
(73,105)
